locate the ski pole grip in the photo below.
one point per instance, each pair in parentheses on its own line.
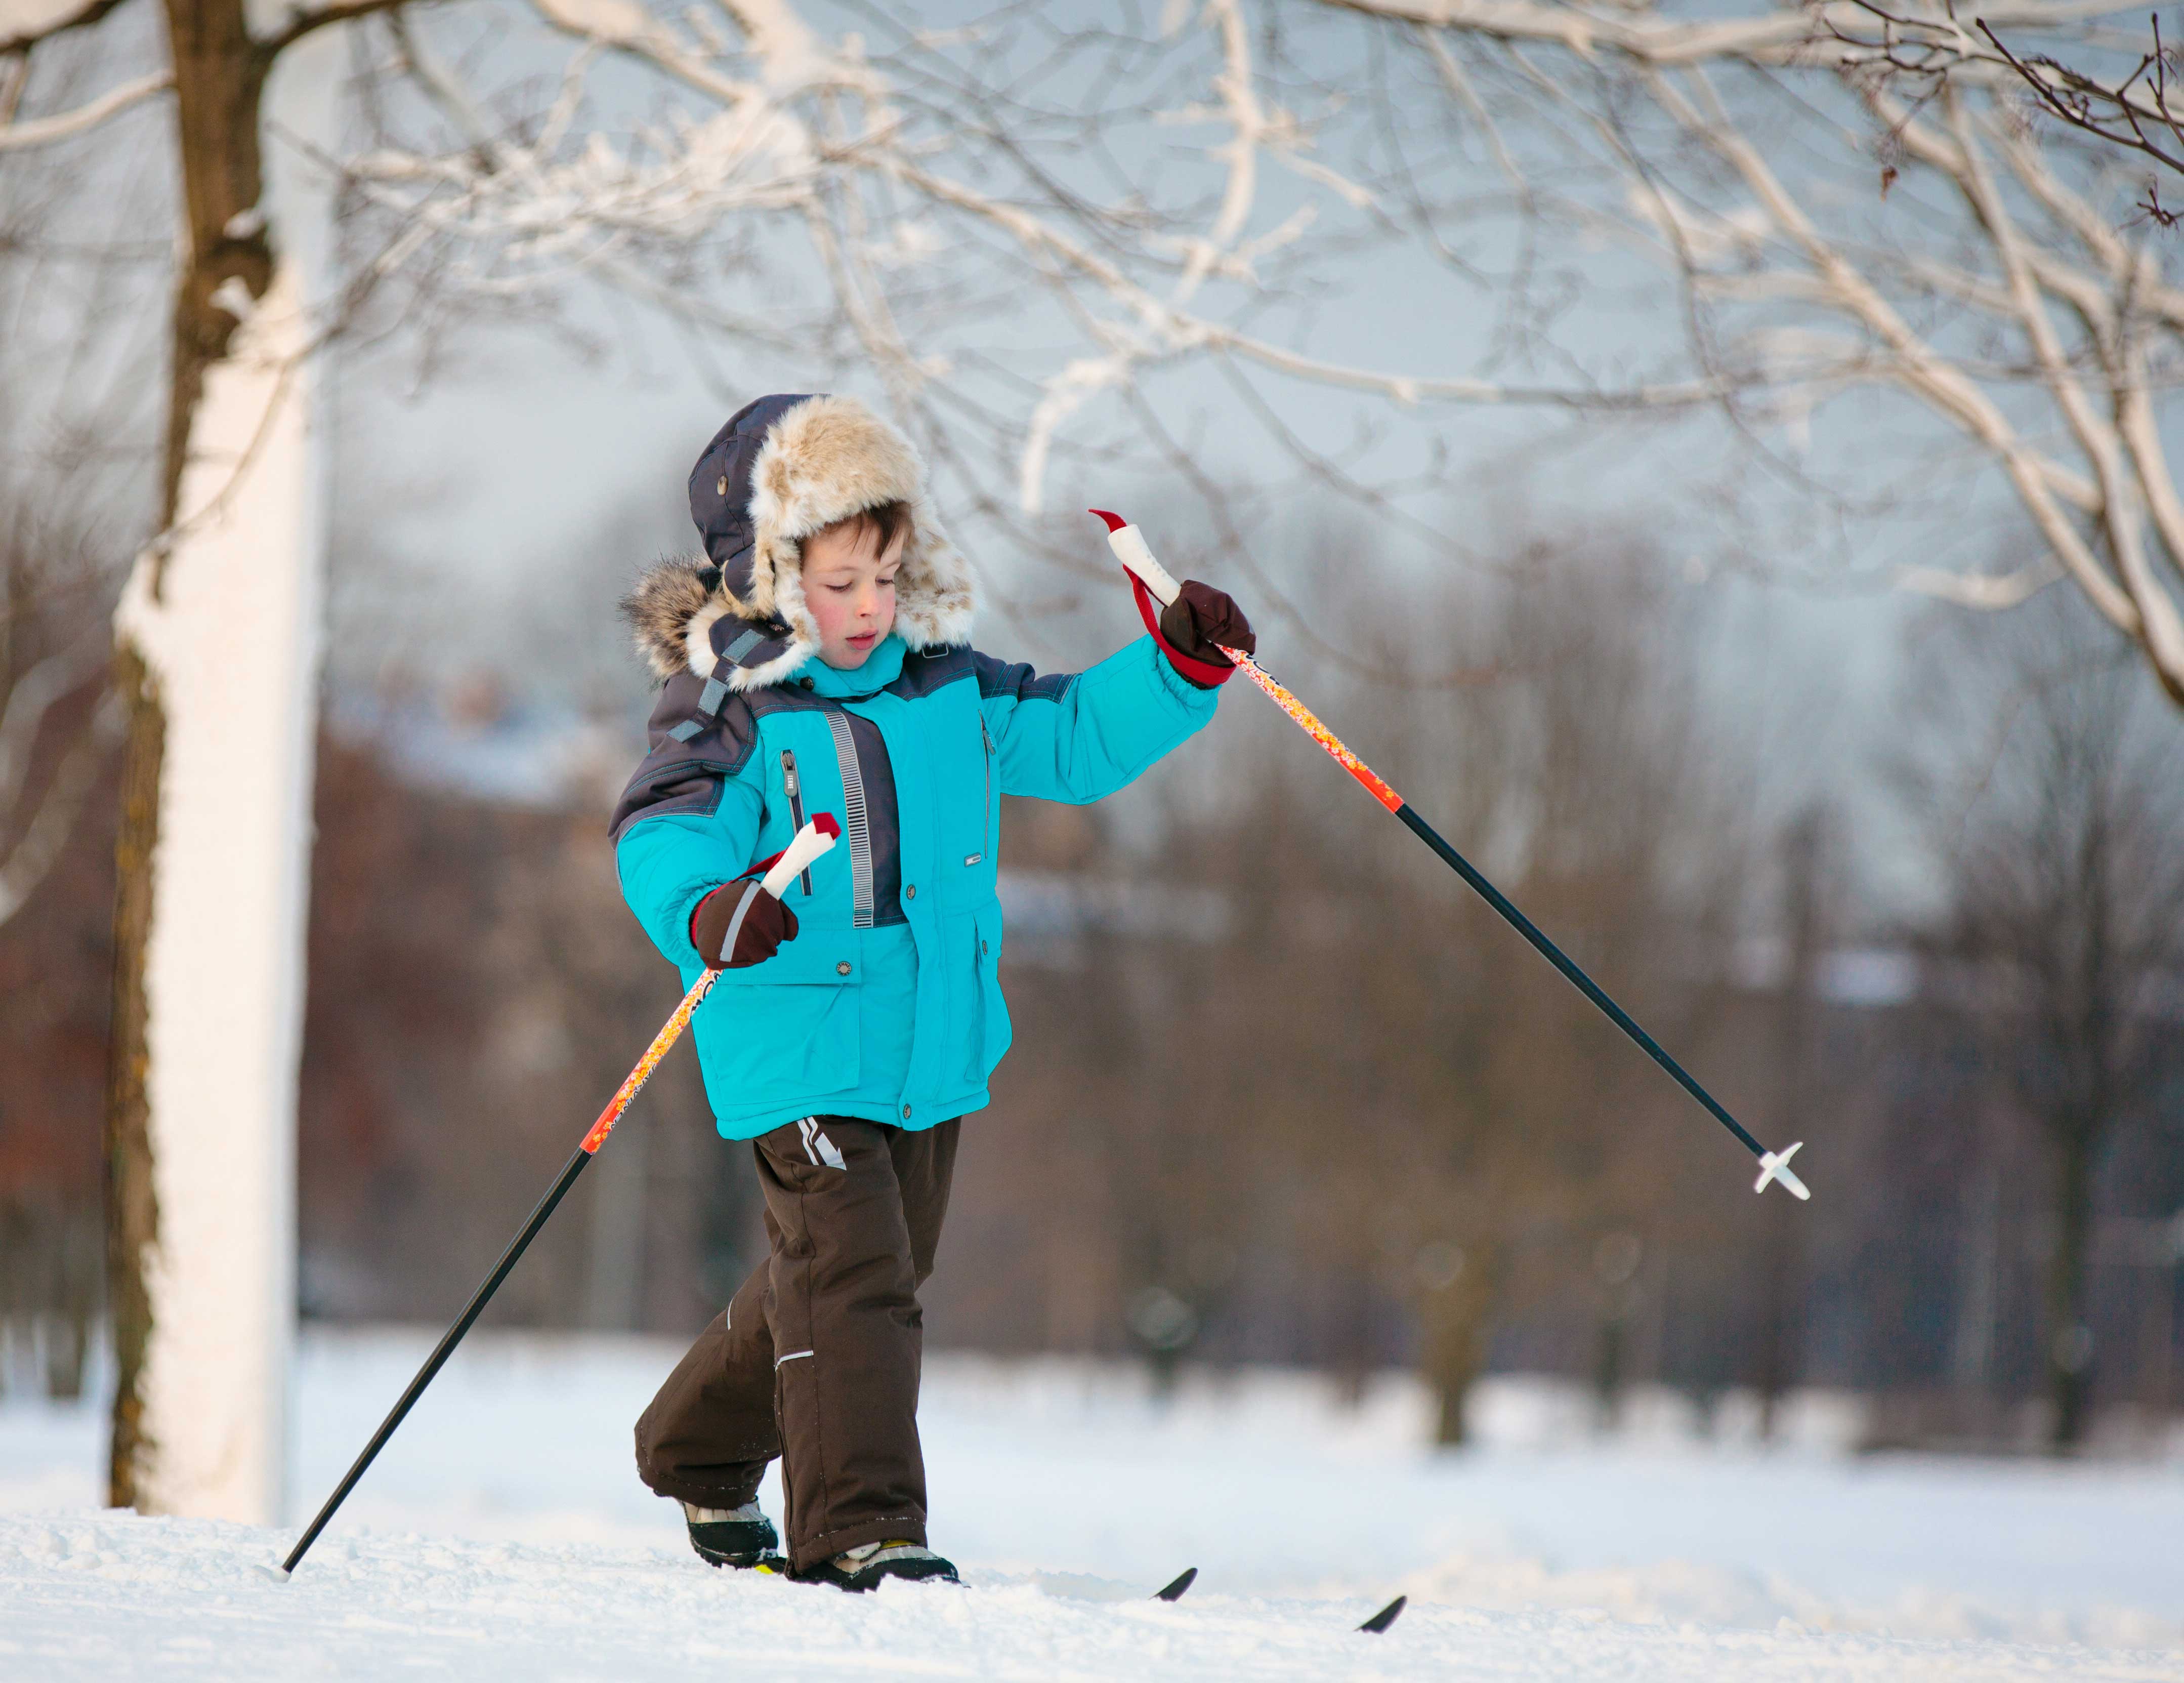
(812,840)
(1129,545)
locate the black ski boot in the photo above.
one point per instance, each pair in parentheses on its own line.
(872,1564)
(730,1536)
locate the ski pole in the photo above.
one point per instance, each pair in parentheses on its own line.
(812,840)
(1147,575)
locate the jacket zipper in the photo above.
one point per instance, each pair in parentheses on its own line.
(986,809)
(793,786)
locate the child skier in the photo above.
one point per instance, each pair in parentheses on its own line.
(818,661)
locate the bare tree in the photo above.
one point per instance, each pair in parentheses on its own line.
(72,358)
(1825,230)
(1833,232)
(214,671)
(1805,909)
(2063,836)
(1471,1128)
(2116,96)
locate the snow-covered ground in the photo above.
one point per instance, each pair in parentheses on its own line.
(503,1534)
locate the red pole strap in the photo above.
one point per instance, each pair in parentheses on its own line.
(1203,672)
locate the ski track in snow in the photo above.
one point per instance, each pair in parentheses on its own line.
(503,1534)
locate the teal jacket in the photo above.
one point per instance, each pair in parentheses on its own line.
(887,1006)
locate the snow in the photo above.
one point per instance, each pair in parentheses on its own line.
(503,1534)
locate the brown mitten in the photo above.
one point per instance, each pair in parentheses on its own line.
(766,924)
(1200,623)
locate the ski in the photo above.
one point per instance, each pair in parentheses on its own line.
(776,1566)
(1386,1616)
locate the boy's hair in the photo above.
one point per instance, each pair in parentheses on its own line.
(887,519)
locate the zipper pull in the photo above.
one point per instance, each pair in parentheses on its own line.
(792,787)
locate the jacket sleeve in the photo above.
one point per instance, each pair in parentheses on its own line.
(689,821)
(1078,736)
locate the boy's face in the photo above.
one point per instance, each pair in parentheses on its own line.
(849,583)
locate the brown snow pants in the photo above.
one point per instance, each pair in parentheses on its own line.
(816,1358)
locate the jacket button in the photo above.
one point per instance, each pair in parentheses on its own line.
(910,893)
(843,969)
(906,1113)
(803,684)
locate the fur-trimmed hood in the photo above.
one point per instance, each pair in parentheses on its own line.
(782,469)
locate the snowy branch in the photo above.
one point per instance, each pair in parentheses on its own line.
(45,130)
(776,125)
(297,25)
(26,23)
(1828,227)
(2011,309)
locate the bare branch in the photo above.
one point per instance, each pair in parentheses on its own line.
(32,699)
(26,865)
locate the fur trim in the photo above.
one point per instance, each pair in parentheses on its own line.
(697,635)
(662,606)
(823,460)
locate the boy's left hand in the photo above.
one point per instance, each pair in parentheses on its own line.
(1202,620)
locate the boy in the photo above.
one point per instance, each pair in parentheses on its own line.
(820,662)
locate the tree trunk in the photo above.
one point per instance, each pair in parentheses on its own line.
(1459,1317)
(216,639)
(1780,1346)
(2069,1338)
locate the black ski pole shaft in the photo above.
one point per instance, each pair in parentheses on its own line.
(1562,961)
(811,841)
(446,1348)
(1153,581)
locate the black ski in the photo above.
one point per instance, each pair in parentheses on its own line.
(1385,1617)
(1173,1592)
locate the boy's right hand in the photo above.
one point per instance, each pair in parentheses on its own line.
(766,924)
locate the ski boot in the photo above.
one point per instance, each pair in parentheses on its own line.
(730,1536)
(869,1565)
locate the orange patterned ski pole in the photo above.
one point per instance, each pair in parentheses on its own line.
(1149,577)
(812,840)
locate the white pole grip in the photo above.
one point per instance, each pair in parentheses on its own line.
(1129,545)
(811,842)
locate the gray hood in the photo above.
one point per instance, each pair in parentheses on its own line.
(807,462)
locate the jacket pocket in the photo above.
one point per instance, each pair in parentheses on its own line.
(991,1031)
(788,1028)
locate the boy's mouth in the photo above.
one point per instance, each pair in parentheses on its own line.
(863,639)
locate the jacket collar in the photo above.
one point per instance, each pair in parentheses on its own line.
(881,667)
